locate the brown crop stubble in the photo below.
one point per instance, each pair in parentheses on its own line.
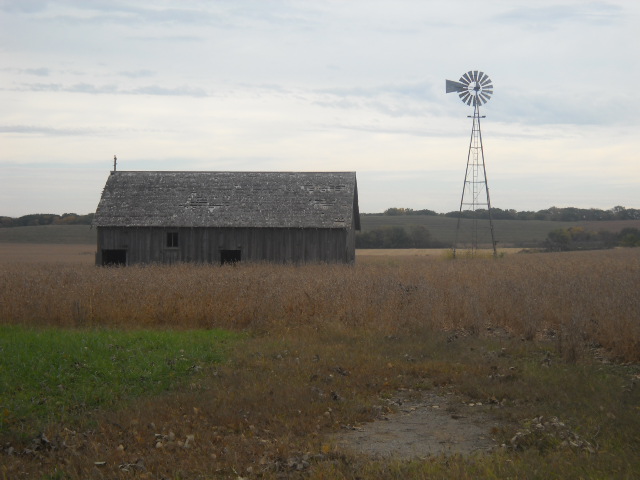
(581,298)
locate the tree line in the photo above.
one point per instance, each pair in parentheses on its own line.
(46,219)
(414,236)
(559,240)
(567,214)
(577,238)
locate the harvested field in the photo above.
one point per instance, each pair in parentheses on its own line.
(524,366)
(579,296)
(364,253)
(38,253)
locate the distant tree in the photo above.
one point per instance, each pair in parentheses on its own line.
(566,214)
(396,237)
(419,236)
(66,219)
(622,213)
(629,237)
(480,213)
(609,239)
(525,215)
(47,219)
(424,212)
(579,234)
(397,211)
(554,213)
(571,215)
(558,240)
(499,214)
(618,209)
(578,238)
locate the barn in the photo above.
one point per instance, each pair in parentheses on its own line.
(220,217)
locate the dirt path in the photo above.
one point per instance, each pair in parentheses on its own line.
(431,426)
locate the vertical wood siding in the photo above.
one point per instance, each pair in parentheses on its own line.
(203,244)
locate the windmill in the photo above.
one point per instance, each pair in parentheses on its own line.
(474,89)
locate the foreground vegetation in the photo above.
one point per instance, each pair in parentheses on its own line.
(579,297)
(53,374)
(547,345)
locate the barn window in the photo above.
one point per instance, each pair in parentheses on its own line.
(172,240)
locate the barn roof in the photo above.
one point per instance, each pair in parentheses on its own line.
(229,199)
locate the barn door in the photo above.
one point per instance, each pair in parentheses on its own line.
(114,257)
(170,256)
(230,256)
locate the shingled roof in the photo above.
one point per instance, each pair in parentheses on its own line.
(229,199)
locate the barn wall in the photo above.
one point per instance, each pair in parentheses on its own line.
(203,245)
(350,244)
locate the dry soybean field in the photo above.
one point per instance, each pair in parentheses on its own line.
(539,350)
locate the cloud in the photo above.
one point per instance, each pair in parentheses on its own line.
(38,72)
(586,108)
(225,14)
(83,13)
(92,89)
(22,6)
(169,39)
(415,131)
(39,130)
(412,90)
(182,91)
(137,73)
(392,100)
(553,16)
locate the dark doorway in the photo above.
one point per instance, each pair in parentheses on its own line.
(114,257)
(230,256)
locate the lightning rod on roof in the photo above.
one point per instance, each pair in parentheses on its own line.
(115,160)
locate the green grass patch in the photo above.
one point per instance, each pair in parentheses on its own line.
(56,374)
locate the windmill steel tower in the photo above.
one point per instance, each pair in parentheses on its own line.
(474,89)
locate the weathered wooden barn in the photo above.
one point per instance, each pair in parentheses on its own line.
(219,217)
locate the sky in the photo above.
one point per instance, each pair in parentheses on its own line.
(321,85)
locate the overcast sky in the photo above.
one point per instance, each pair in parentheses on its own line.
(321,85)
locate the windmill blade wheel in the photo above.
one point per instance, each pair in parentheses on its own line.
(474,88)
